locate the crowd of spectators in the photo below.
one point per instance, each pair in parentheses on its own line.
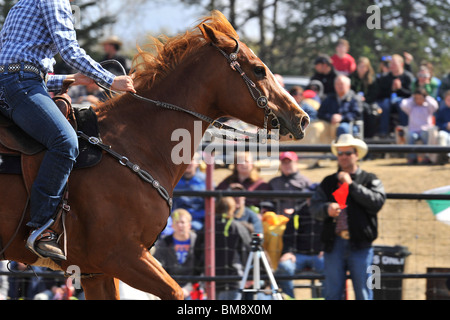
(379,105)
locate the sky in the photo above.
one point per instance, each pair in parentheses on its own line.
(161,18)
(156,17)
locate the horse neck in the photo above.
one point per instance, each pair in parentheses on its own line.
(153,135)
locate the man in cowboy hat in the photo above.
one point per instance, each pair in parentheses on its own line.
(348,202)
(111,47)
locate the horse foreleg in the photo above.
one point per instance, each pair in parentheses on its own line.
(146,274)
(101,288)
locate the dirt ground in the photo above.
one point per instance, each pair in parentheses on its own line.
(408,223)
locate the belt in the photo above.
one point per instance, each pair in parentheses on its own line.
(344,234)
(26,67)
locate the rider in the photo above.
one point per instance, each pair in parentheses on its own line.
(33,33)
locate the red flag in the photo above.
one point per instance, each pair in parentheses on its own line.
(341,195)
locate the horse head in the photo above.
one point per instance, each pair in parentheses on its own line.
(249,89)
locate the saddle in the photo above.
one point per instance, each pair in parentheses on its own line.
(21,154)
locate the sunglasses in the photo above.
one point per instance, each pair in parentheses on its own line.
(347,153)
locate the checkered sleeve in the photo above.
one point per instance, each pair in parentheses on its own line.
(58,17)
(55,82)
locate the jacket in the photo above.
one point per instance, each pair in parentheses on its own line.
(385,85)
(350,108)
(443,117)
(366,198)
(302,234)
(293,182)
(166,255)
(195,205)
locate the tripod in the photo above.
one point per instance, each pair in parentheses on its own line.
(256,255)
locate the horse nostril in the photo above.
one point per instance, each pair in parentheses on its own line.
(304,123)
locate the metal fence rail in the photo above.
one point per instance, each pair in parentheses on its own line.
(296,194)
(309,276)
(373,148)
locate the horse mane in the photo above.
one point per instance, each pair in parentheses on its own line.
(157,59)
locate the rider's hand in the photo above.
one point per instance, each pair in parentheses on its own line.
(123,83)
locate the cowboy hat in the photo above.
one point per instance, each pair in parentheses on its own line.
(347,140)
(112,40)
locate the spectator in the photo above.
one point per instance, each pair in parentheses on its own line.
(178,252)
(297,93)
(232,249)
(348,202)
(392,89)
(341,109)
(443,120)
(90,94)
(244,214)
(363,82)
(325,73)
(302,248)
(245,173)
(445,85)
(425,80)
(274,227)
(383,67)
(342,61)
(317,87)
(290,180)
(408,59)
(111,48)
(192,180)
(420,109)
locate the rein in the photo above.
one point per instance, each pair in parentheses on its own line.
(261,101)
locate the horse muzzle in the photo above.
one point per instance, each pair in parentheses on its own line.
(293,129)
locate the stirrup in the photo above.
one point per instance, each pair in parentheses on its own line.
(31,242)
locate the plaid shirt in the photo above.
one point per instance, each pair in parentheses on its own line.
(36,30)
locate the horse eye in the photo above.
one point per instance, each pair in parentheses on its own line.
(260,72)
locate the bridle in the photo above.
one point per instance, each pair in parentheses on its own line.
(261,101)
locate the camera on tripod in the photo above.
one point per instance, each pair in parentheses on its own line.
(254,260)
(257,239)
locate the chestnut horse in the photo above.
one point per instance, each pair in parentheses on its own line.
(116,216)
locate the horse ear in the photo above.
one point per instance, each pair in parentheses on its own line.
(209,33)
(217,37)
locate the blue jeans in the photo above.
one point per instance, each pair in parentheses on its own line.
(288,267)
(413,138)
(25,100)
(388,105)
(341,259)
(345,127)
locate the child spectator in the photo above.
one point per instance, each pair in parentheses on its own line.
(177,252)
(342,61)
(420,109)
